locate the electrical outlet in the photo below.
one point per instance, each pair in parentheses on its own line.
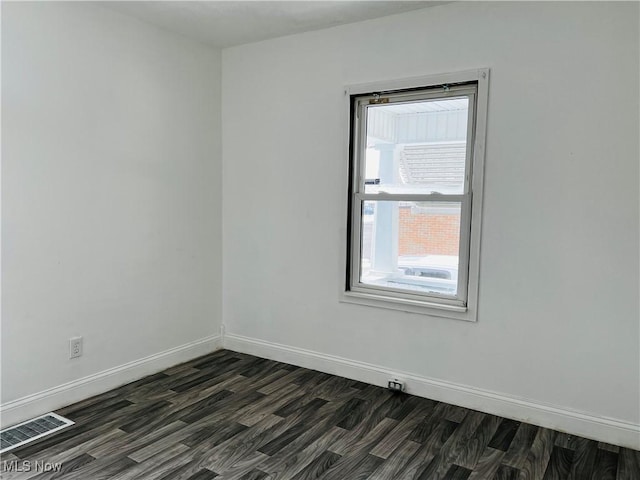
(75,347)
(395,385)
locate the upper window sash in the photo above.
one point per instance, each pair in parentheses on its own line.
(363,102)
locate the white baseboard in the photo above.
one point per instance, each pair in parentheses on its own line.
(549,416)
(47,400)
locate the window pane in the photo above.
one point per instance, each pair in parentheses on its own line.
(412,246)
(417,147)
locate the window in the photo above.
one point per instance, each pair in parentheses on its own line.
(415,193)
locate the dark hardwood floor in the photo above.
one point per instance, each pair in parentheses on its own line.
(231,416)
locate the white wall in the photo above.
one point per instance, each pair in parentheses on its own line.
(558,322)
(111,195)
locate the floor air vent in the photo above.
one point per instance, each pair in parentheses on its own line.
(31,430)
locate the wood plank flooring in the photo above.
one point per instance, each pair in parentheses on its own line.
(231,416)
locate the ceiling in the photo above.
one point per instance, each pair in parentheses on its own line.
(226,23)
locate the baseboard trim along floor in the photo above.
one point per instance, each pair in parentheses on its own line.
(53,398)
(549,416)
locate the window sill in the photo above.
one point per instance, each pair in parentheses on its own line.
(409,306)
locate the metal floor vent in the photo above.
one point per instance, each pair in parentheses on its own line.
(27,432)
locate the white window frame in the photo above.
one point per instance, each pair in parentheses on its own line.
(473,84)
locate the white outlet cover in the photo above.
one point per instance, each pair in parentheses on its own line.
(75,347)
